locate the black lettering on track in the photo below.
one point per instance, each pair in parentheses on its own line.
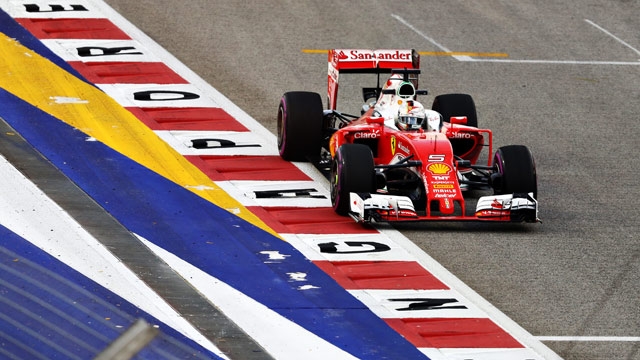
(218,144)
(297,193)
(362,247)
(88,51)
(33,8)
(179,95)
(428,304)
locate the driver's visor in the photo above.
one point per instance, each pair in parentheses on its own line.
(411,120)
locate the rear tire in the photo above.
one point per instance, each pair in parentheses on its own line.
(300,116)
(352,170)
(515,171)
(449,105)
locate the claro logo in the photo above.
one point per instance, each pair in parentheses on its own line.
(367,135)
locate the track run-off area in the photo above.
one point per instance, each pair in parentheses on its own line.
(132,205)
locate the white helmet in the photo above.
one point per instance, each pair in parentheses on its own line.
(411,115)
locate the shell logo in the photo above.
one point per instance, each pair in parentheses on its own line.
(439,168)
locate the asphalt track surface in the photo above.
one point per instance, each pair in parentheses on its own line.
(562,78)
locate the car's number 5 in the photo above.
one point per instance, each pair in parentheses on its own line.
(436,158)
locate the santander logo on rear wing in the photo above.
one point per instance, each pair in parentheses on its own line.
(361,59)
(365,61)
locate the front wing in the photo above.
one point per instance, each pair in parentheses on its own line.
(393,208)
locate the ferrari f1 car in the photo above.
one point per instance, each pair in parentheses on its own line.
(398,161)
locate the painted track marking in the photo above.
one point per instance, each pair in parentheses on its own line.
(468,56)
(613,36)
(557,62)
(426,37)
(590,338)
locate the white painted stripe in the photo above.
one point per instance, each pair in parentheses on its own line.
(394,304)
(28,212)
(68,50)
(590,338)
(480,354)
(248,143)
(429,39)
(309,246)
(613,36)
(555,62)
(423,35)
(280,337)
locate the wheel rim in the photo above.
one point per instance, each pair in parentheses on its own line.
(334,183)
(280,127)
(497,183)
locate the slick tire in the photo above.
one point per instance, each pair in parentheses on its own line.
(515,171)
(449,105)
(299,122)
(352,170)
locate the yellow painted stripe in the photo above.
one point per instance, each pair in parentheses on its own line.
(39,82)
(315,51)
(430,53)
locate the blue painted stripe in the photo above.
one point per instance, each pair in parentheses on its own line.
(208,237)
(49,310)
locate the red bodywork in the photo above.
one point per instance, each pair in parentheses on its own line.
(439,171)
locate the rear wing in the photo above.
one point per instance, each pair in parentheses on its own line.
(359,61)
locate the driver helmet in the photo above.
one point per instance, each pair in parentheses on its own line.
(411,115)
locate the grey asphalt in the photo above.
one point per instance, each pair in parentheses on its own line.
(568,88)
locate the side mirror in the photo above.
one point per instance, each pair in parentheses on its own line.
(460,120)
(375,120)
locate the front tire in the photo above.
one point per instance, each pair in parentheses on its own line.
(300,116)
(352,170)
(515,171)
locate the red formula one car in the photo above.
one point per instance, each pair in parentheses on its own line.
(397,160)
